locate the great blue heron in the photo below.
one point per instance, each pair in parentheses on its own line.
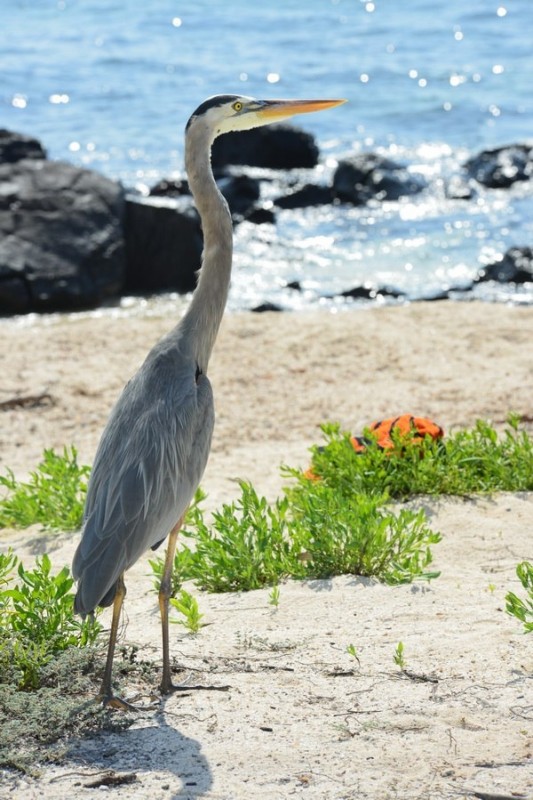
(155,446)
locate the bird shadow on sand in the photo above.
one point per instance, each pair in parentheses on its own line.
(136,754)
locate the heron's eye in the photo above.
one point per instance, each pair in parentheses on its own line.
(237,106)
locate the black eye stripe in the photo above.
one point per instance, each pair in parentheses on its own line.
(211,102)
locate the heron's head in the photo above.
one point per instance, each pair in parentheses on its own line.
(227,112)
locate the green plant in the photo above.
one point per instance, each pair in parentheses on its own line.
(37,620)
(352,651)
(273,597)
(357,534)
(466,462)
(516,606)
(52,497)
(399,659)
(341,519)
(187,605)
(246,547)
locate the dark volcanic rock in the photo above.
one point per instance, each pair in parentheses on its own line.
(516,266)
(259,215)
(170,188)
(61,240)
(308,195)
(163,244)
(241,193)
(500,167)
(361,178)
(370,292)
(15,146)
(273,147)
(266,306)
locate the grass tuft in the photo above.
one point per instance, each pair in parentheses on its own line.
(37,620)
(520,608)
(53,496)
(466,462)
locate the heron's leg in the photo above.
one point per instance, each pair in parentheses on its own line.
(165,590)
(106,692)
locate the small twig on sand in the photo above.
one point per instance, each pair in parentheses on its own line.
(28,401)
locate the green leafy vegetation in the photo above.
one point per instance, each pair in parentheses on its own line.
(520,608)
(358,534)
(36,726)
(37,620)
(463,463)
(274,595)
(352,652)
(343,516)
(187,605)
(319,533)
(247,546)
(53,496)
(399,658)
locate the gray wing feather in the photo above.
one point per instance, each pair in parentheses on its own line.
(148,465)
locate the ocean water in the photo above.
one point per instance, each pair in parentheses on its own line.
(110,85)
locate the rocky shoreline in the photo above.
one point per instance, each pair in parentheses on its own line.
(72,239)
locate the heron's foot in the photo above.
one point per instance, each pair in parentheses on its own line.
(110,700)
(166,687)
(170,688)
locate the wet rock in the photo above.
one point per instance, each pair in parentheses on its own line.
(61,240)
(500,167)
(241,193)
(443,294)
(273,147)
(266,306)
(163,244)
(15,146)
(260,215)
(370,292)
(305,196)
(515,266)
(167,187)
(371,176)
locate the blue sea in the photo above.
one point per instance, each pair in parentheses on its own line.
(110,85)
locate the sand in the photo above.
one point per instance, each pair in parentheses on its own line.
(301,717)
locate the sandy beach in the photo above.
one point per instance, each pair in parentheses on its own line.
(300,718)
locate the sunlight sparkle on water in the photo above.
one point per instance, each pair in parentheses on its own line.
(273,77)
(457,80)
(19,101)
(431,150)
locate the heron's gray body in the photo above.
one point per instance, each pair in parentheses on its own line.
(151,458)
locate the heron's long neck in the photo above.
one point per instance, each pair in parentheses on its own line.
(202,320)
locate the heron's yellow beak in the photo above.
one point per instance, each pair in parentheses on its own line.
(272,110)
